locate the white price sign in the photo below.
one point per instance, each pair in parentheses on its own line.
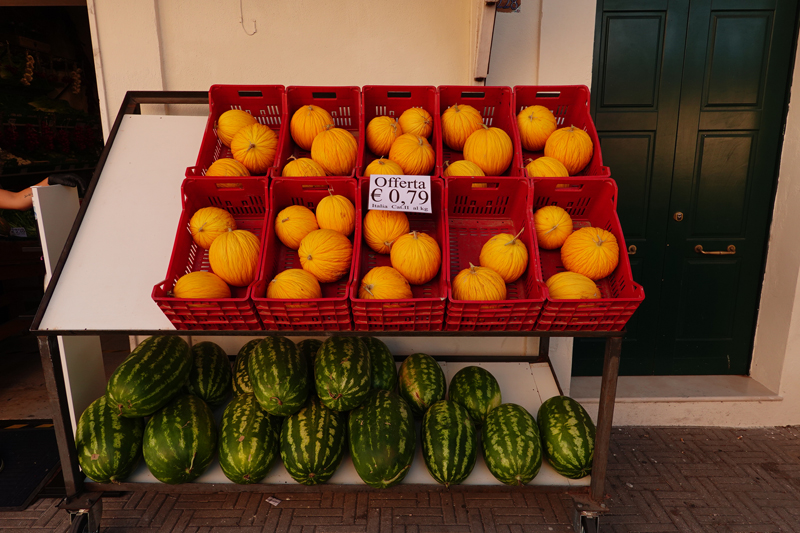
(400,193)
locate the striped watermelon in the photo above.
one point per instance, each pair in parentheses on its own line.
(109,446)
(313,442)
(308,349)
(343,373)
(449,442)
(384,371)
(568,435)
(210,375)
(248,442)
(150,377)
(511,444)
(382,439)
(180,440)
(279,376)
(477,390)
(421,382)
(241,379)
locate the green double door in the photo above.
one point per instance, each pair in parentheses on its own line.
(689,99)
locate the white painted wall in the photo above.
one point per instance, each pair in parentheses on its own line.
(169,45)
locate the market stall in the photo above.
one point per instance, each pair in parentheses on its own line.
(125,232)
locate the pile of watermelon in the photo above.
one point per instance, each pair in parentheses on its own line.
(310,403)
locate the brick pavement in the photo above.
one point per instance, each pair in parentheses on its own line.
(659,480)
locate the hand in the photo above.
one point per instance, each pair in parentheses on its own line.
(70,179)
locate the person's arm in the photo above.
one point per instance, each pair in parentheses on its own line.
(20,201)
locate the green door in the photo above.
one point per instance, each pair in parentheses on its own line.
(689,99)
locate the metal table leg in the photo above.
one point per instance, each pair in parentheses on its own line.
(605,415)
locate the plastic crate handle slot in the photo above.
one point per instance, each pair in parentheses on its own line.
(398,94)
(485,185)
(469,94)
(251,94)
(329,95)
(230,186)
(548,94)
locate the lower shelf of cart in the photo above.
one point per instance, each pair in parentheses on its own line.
(524,384)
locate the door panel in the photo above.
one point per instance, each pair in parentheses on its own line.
(702,140)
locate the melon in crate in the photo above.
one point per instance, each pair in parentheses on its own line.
(326,254)
(293,223)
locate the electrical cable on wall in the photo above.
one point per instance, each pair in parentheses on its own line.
(241,20)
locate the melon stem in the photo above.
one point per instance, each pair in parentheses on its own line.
(368,288)
(514,239)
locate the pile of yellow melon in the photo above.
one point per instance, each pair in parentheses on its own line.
(322,245)
(589,254)
(567,150)
(252,145)
(415,257)
(333,150)
(488,151)
(403,141)
(233,255)
(503,259)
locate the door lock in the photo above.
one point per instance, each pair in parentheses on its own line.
(678,216)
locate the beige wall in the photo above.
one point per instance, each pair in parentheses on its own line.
(181,45)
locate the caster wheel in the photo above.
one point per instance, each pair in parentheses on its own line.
(80,524)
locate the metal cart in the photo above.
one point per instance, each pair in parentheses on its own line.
(99,296)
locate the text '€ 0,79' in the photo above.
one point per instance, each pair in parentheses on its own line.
(400,193)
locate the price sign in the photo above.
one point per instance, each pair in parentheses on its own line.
(400,193)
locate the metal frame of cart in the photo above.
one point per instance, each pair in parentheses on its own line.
(84,498)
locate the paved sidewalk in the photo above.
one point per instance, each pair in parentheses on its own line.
(659,480)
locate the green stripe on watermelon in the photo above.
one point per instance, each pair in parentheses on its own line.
(343,373)
(313,442)
(568,436)
(308,348)
(248,442)
(449,442)
(382,439)
(109,446)
(384,370)
(210,375)
(279,376)
(511,445)
(153,374)
(180,440)
(241,378)
(477,390)
(421,382)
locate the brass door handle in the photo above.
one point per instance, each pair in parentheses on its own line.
(632,249)
(731,250)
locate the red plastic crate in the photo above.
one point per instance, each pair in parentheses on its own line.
(570,106)
(425,311)
(344,105)
(244,198)
(495,106)
(264,102)
(332,311)
(478,210)
(392,101)
(590,202)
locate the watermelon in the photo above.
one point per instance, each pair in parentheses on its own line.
(449,442)
(279,376)
(109,446)
(210,375)
(153,374)
(343,373)
(313,442)
(568,435)
(477,390)
(421,382)
(384,371)
(248,441)
(511,444)
(241,379)
(382,439)
(180,440)
(308,349)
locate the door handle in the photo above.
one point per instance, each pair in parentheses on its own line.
(731,250)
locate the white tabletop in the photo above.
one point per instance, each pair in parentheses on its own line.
(125,240)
